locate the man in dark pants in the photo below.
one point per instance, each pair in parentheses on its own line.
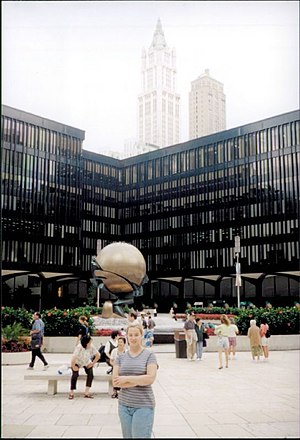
(37,334)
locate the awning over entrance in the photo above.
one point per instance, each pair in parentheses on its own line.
(7,274)
(294,273)
(254,276)
(52,275)
(172,279)
(61,280)
(207,277)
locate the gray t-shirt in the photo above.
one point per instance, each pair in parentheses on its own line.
(39,325)
(37,338)
(138,396)
(189,325)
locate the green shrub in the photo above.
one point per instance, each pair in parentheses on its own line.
(9,315)
(282,320)
(57,322)
(10,338)
(12,332)
(66,322)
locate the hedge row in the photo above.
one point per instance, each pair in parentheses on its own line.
(57,322)
(282,320)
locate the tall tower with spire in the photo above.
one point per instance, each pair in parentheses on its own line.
(158,103)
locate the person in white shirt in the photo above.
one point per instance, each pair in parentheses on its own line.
(81,358)
(110,345)
(232,333)
(114,354)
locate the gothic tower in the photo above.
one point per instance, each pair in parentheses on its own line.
(158,103)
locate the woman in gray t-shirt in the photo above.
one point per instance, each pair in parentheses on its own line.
(134,372)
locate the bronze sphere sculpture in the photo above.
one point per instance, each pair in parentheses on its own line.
(121,268)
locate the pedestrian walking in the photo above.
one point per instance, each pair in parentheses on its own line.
(37,336)
(233,332)
(172,314)
(149,331)
(83,328)
(190,336)
(222,331)
(200,336)
(255,340)
(265,334)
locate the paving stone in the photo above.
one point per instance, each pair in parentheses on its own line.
(262,400)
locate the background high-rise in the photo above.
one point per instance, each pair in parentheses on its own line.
(207,106)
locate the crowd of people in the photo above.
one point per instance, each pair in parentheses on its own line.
(133,364)
(196,333)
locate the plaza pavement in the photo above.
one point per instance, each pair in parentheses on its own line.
(194,400)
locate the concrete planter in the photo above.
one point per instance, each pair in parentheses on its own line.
(52,344)
(67,344)
(276,342)
(21,358)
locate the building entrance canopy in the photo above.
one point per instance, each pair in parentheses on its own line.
(7,274)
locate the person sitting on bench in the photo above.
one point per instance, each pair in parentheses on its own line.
(82,356)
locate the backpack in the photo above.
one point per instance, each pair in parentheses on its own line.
(103,356)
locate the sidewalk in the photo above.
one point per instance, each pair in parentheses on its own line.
(194,400)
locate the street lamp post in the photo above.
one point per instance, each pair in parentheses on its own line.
(98,295)
(238,279)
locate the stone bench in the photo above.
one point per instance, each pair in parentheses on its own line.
(53,378)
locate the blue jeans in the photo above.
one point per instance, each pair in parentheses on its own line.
(136,422)
(199,348)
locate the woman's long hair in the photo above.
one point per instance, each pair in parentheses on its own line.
(224,320)
(84,319)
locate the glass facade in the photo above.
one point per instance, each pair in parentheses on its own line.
(40,193)
(181,206)
(184,206)
(101,203)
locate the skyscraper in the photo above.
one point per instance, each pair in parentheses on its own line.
(158,103)
(207,112)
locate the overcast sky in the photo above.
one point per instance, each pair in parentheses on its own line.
(79,63)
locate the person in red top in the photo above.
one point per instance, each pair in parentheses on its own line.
(264,341)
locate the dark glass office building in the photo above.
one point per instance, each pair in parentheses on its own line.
(182,206)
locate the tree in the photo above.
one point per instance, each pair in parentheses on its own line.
(91,296)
